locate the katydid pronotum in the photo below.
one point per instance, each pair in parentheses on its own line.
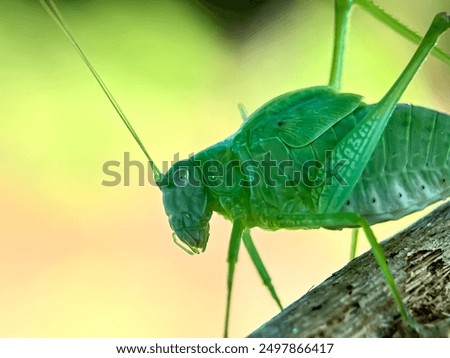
(311,158)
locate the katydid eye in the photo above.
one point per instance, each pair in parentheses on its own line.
(181,177)
(184,175)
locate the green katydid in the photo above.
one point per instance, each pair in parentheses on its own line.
(274,172)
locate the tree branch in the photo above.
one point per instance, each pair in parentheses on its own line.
(356,302)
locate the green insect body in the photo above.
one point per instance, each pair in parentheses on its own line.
(407,172)
(312,158)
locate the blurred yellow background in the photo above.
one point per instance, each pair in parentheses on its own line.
(78,259)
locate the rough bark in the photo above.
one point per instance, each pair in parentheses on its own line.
(356,302)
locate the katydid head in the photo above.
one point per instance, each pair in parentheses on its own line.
(185,200)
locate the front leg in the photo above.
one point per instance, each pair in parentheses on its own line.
(233,253)
(259,265)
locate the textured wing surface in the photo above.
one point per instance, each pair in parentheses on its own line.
(298,118)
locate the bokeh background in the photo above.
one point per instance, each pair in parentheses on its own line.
(78,259)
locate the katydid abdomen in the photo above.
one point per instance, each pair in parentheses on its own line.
(410,168)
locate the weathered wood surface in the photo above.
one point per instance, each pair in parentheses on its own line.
(356,302)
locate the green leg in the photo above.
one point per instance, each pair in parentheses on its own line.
(358,146)
(354,243)
(254,255)
(381,260)
(341,24)
(398,27)
(233,253)
(351,220)
(342,10)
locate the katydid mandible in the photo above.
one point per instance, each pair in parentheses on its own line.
(389,160)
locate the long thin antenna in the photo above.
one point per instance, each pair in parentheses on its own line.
(51,8)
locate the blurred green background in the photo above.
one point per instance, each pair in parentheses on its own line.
(78,259)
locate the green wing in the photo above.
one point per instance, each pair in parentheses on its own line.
(301,116)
